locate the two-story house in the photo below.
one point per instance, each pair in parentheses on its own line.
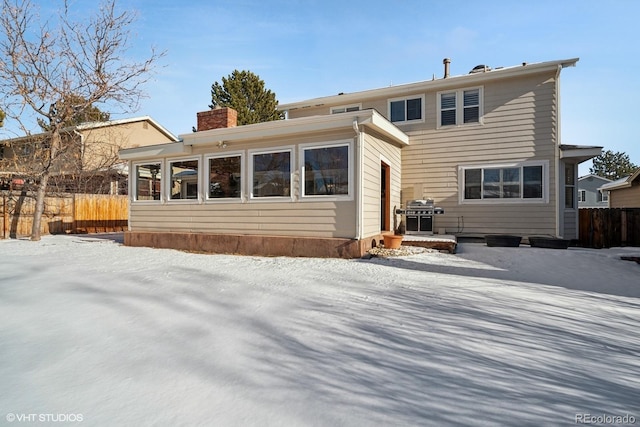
(589,193)
(485,146)
(90,161)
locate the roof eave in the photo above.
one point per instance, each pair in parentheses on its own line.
(155,151)
(580,154)
(443,83)
(302,125)
(95,125)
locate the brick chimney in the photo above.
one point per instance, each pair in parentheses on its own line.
(219,117)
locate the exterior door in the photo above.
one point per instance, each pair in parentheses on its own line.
(385,196)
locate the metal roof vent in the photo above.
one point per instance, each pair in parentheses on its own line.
(480,69)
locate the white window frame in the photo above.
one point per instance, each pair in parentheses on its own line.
(207,176)
(582,196)
(505,201)
(168,180)
(346,108)
(570,186)
(605,196)
(134,183)
(405,99)
(460,107)
(292,162)
(301,167)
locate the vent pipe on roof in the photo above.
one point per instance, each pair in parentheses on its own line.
(446,62)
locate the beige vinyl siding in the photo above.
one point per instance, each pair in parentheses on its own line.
(517,128)
(135,134)
(101,144)
(626,197)
(315,218)
(375,151)
(519,125)
(312,219)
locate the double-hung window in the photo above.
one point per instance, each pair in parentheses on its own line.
(582,196)
(148,181)
(569,185)
(326,170)
(404,110)
(183,179)
(460,107)
(520,182)
(224,174)
(271,173)
(603,196)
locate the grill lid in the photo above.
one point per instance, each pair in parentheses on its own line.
(423,203)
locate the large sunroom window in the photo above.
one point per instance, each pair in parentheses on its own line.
(326,170)
(148,181)
(271,174)
(225,177)
(518,182)
(184,179)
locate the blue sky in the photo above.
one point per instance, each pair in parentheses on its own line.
(306,49)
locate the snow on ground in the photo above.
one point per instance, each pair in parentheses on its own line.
(111,335)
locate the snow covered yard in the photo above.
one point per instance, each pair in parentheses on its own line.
(110,335)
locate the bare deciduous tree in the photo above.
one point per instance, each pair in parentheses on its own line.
(46,63)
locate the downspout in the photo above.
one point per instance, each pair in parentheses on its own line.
(559,170)
(359,187)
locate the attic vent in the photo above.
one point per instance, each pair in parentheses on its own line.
(480,69)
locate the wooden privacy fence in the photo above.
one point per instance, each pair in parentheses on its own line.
(606,228)
(65,213)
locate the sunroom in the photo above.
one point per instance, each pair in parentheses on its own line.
(313,186)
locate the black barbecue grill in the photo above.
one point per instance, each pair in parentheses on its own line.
(419,216)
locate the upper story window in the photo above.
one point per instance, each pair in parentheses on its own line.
(404,110)
(519,182)
(346,108)
(459,107)
(224,177)
(582,196)
(326,170)
(148,181)
(184,179)
(271,173)
(603,196)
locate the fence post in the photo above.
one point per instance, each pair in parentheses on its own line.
(73,214)
(4,216)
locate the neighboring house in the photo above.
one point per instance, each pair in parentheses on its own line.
(94,153)
(589,194)
(624,192)
(484,146)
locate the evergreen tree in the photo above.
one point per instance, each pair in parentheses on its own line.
(245,92)
(612,165)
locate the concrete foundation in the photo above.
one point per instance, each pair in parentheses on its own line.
(253,244)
